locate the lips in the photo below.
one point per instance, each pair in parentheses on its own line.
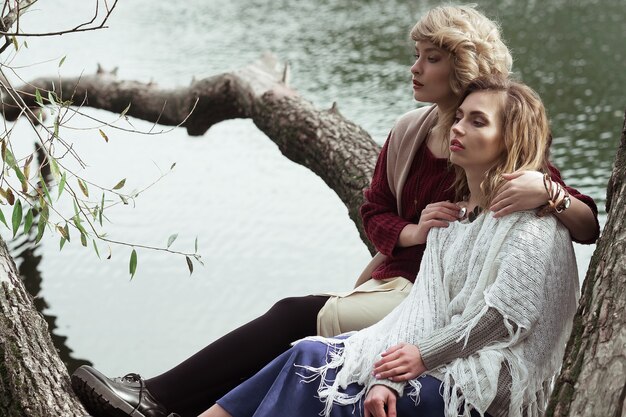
(417,84)
(456,145)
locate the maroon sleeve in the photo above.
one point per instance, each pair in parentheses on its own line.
(555,174)
(380,212)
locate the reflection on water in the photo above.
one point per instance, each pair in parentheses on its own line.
(25,256)
(24,251)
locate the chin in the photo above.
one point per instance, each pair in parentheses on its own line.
(455,161)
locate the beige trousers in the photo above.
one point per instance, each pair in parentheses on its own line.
(361,307)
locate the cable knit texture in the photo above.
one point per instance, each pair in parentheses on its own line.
(521,266)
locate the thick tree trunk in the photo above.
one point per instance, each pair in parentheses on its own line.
(343,155)
(593,378)
(33,379)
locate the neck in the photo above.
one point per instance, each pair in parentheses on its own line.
(438,144)
(473,182)
(447,105)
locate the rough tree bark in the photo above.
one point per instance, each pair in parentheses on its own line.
(33,379)
(593,378)
(343,155)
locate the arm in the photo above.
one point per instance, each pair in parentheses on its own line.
(581,218)
(524,190)
(384,227)
(404,362)
(380,212)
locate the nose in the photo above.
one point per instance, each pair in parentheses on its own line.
(457,130)
(416,67)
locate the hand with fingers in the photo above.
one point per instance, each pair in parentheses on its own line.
(438,214)
(523,190)
(401,362)
(380,402)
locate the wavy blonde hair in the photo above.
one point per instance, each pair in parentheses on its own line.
(473,41)
(525,134)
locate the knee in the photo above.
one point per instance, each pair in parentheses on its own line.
(288,305)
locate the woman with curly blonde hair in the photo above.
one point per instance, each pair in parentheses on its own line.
(410,193)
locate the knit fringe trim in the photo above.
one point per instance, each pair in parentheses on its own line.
(329,392)
(528,399)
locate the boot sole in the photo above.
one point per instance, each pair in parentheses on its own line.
(99,399)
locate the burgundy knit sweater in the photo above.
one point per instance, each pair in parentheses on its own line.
(429,180)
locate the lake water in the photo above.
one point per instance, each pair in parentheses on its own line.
(268,228)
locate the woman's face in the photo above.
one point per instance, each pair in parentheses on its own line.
(476,139)
(431,74)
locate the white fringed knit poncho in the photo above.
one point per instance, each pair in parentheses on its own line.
(522,266)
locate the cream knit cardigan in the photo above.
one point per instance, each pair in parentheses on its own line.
(521,265)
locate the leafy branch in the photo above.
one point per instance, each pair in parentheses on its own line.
(26,187)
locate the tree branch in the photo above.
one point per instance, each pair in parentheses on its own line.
(334,148)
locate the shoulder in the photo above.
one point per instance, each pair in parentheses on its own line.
(525,226)
(411,126)
(415,117)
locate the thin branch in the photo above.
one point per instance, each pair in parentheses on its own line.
(14,14)
(77,29)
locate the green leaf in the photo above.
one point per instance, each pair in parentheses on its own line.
(8,157)
(78,224)
(62,243)
(28,221)
(15,44)
(189,265)
(19,174)
(196,245)
(95,247)
(54,168)
(42,182)
(26,44)
(38,98)
(55,132)
(120,184)
(171,240)
(83,187)
(132,267)
(173,165)
(62,61)
(41,227)
(51,99)
(83,239)
(106,138)
(101,210)
(62,185)
(124,199)
(17,216)
(2,219)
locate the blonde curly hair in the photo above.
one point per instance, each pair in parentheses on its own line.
(473,40)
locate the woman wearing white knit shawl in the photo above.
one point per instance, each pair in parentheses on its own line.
(489,314)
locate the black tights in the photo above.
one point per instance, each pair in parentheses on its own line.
(195,384)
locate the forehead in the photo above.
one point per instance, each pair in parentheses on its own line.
(427,46)
(488,102)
